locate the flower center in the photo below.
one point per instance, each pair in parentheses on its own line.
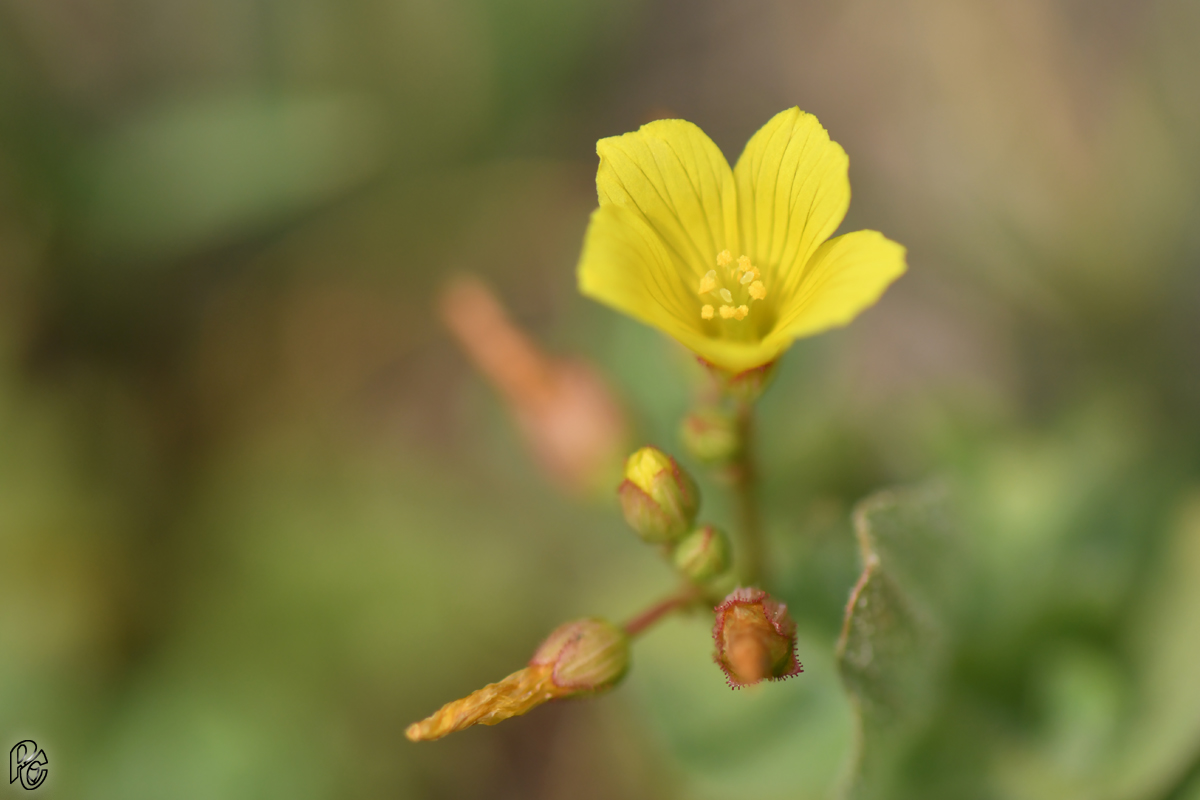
(736,284)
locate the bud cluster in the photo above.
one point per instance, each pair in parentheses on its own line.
(660,501)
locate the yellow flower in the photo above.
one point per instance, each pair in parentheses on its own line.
(734,263)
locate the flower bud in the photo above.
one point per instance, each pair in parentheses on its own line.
(755,638)
(659,499)
(710,435)
(702,554)
(586,656)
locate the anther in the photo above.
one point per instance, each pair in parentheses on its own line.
(757,290)
(708,282)
(727,312)
(744,263)
(726,295)
(741,312)
(746,278)
(706,312)
(724,258)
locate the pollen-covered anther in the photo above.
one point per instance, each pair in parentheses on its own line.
(740,312)
(757,290)
(727,312)
(724,258)
(706,312)
(708,282)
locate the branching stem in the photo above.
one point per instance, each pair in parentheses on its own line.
(680,600)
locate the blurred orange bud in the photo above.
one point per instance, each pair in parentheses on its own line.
(755,638)
(658,497)
(583,657)
(567,413)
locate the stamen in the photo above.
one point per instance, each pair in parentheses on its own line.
(724,258)
(706,312)
(741,312)
(727,312)
(744,263)
(757,290)
(708,282)
(726,295)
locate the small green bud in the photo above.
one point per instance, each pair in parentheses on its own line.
(659,499)
(702,554)
(587,655)
(710,435)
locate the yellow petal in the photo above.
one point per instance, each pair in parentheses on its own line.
(626,265)
(793,192)
(844,276)
(671,175)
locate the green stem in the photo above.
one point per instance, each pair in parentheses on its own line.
(745,485)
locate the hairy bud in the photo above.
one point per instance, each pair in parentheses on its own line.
(583,657)
(755,638)
(658,497)
(710,435)
(702,554)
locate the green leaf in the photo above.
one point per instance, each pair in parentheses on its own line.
(899,622)
(1162,741)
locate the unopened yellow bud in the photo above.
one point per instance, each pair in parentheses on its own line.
(586,656)
(658,497)
(703,554)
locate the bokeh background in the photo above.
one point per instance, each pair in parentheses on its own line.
(259,511)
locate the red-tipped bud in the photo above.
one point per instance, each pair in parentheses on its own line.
(710,435)
(755,638)
(702,554)
(658,497)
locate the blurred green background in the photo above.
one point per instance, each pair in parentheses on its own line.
(258,512)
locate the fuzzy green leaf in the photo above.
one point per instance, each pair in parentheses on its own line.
(898,624)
